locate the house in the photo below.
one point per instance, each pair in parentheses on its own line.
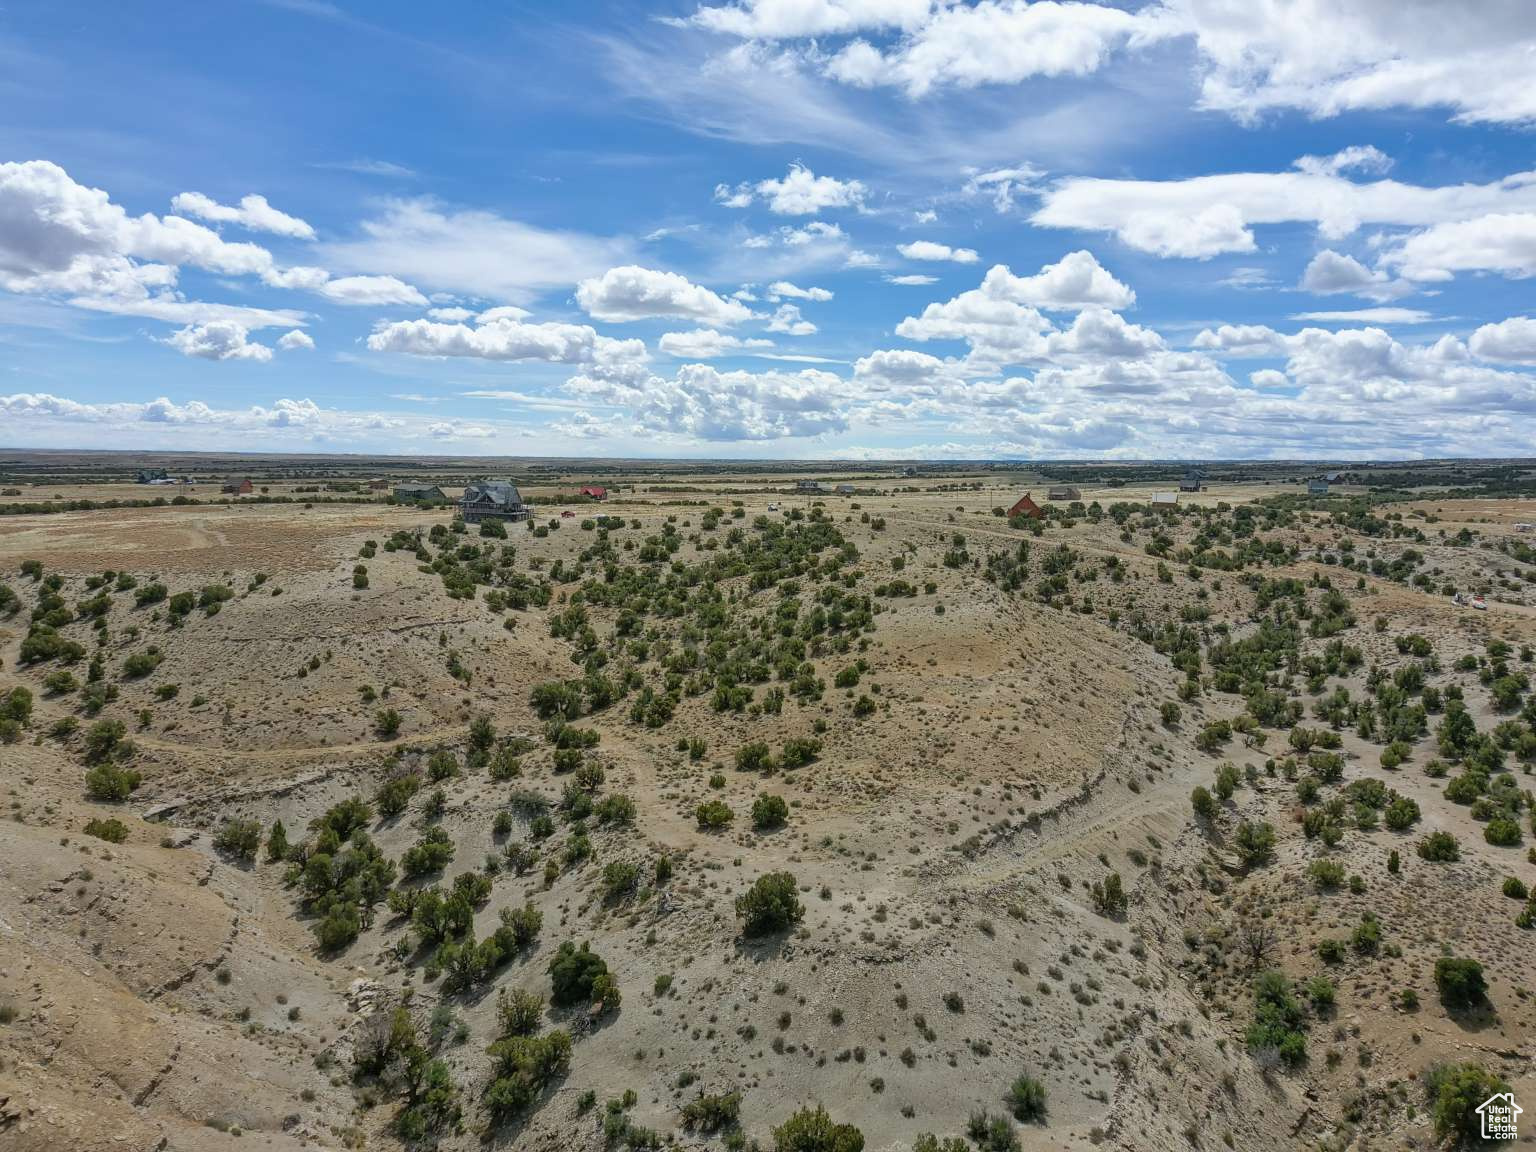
(419,494)
(1164,499)
(1026,507)
(1191,481)
(493,500)
(595,491)
(846,490)
(149,475)
(1317,487)
(238,487)
(1064,492)
(1334,477)
(807,486)
(909,471)
(378,485)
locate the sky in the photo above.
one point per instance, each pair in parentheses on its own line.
(771,229)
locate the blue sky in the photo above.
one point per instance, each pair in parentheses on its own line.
(770,228)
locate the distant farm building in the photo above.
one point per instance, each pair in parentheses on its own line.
(1064,492)
(909,471)
(1026,507)
(419,494)
(807,486)
(846,490)
(1191,481)
(150,475)
(1334,477)
(238,487)
(1164,499)
(17,492)
(595,491)
(496,500)
(378,485)
(1317,487)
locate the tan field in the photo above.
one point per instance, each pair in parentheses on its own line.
(966,761)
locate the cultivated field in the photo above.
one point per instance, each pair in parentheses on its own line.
(681,816)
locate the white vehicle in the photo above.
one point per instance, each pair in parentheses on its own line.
(773,507)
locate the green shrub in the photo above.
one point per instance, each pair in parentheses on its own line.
(1026,1100)
(574,974)
(710,1113)
(112,830)
(238,838)
(1255,842)
(519,1012)
(1440,847)
(813,1130)
(59,681)
(429,854)
(108,782)
(394,795)
(1277,1029)
(770,905)
(769,812)
(1108,895)
(104,741)
(1366,938)
(754,757)
(1455,1091)
(1460,982)
(1322,993)
(1502,832)
(1401,814)
(713,814)
(1327,874)
(522,1067)
(620,878)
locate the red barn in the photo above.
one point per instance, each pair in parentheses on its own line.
(239,487)
(594,491)
(1026,507)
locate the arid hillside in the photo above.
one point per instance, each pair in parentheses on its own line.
(681,817)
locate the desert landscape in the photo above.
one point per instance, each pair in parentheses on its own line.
(813,808)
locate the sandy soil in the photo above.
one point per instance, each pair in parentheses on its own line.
(166,996)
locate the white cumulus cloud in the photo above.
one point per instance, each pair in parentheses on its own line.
(931,250)
(706,344)
(799,193)
(252,213)
(787,319)
(784,289)
(1513,340)
(217,341)
(634,293)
